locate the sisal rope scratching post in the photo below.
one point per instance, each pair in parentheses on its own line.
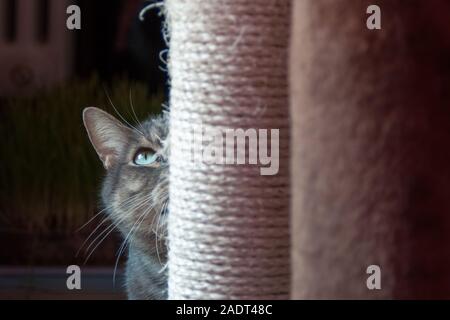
(228,224)
(370,147)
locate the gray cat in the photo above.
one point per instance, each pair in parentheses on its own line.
(135,193)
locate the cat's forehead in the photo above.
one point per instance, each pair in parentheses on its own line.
(155,129)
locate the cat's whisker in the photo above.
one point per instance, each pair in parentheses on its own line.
(152,223)
(155,231)
(165,265)
(111,229)
(161,212)
(147,212)
(156,239)
(124,243)
(158,138)
(120,115)
(165,108)
(90,220)
(156,234)
(108,231)
(129,238)
(103,210)
(134,112)
(125,202)
(91,234)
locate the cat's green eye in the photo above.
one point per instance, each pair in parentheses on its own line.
(145,157)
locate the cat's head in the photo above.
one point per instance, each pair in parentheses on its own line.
(135,189)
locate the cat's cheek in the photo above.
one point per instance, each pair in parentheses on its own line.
(134,185)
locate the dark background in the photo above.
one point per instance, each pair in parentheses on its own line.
(49,174)
(114,41)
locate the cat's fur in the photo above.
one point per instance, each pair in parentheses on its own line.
(135,196)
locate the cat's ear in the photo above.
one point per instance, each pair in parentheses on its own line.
(107,134)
